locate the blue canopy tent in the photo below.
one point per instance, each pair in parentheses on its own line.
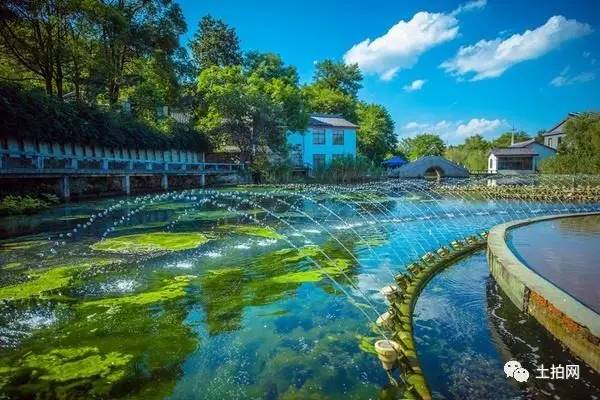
(394,162)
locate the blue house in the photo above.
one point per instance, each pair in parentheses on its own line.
(327,137)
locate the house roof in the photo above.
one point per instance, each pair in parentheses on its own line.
(529,143)
(559,129)
(514,151)
(523,144)
(331,120)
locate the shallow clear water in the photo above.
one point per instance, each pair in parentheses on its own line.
(466,329)
(244,293)
(565,251)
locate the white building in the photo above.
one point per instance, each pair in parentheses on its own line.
(519,158)
(556,135)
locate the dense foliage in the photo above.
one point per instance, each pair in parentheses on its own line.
(473,153)
(348,170)
(422,145)
(579,152)
(15,205)
(36,116)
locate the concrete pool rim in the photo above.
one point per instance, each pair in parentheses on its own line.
(574,324)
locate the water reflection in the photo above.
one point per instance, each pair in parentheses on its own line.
(565,252)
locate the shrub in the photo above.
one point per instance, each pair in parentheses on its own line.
(348,169)
(15,205)
(33,115)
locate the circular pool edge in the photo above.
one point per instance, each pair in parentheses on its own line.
(574,324)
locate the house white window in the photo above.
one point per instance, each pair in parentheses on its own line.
(491,162)
(318,160)
(338,137)
(319,136)
(549,142)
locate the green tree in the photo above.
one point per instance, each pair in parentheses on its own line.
(334,89)
(579,152)
(473,153)
(33,36)
(322,99)
(338,76)
(215,44)
(425,144)
(241,107)
(375,134)
(505,139)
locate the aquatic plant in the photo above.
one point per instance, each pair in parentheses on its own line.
(264,232)
(172,289)
(151,242)
(39,284)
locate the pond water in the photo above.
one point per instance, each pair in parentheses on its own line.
(236,293)
(466,329)
(565,252)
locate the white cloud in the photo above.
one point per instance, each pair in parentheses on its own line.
(565,79)
(470,6)
(455,131)
(491,58)
(415,85)
(402,45)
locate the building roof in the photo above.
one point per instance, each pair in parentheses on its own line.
(330,120)
(514,151)
(559,129)
(523,144)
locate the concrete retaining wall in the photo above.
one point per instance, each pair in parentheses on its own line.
(574,324)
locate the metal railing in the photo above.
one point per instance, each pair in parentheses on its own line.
(27,162)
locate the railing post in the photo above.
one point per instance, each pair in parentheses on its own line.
(39,162)
(164,182)
(130,165)
(105,165)
(202,180)
(74,163)
(149,166)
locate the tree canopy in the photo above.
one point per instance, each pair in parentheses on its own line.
(249,109)
(473,153)
(376,137)
(35,116)
(579,152)
(425,144)
(215,44)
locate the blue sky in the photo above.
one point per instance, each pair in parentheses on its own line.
(450,67)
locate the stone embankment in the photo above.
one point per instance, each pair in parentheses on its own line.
(549,193)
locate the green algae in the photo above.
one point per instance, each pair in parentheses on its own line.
(22,245)
(109,348)
(250,230)
(64,369)
(40,284)
(148,225)
(227,291)
(151,242)
(173,289)
(214,215)
(13,266)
